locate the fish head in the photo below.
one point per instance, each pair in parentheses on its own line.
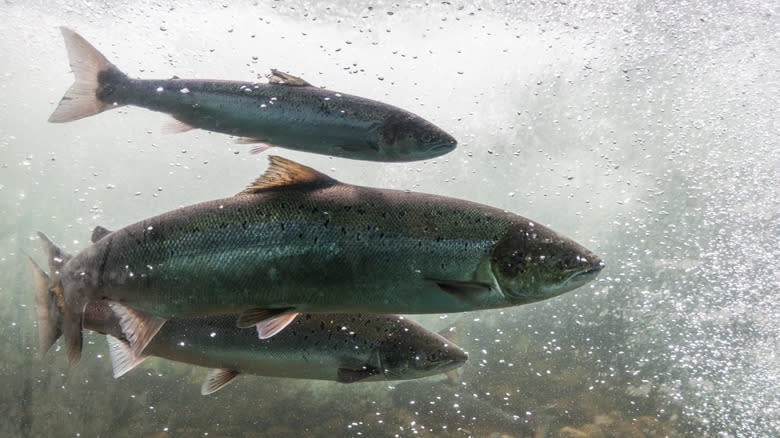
(418,353)
(532,263)
(407,137)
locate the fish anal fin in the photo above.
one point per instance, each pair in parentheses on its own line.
(99,233)
(348,375)
(282,78)
(216,379)
(138,327)
(122,357)
(465,290)
(282,172)
(270,327)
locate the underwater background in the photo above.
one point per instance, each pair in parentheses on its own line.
(647,131)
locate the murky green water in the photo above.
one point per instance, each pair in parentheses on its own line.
(647,131)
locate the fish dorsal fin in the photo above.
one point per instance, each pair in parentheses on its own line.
(99,233)
(283,172)
(217,379)
(282,78)
(122,357)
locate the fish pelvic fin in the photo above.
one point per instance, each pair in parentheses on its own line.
(122,357)
(138,327)
(256,315)
(270,327)
(94,73)
(49,308)
(176,126)
(282,172)
(216,379)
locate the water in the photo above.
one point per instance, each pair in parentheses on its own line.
(645,130)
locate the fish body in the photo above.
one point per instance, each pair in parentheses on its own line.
(286,112)
(298,241)
(345,348)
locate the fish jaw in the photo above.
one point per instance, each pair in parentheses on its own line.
(533,263)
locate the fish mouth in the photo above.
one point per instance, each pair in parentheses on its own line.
(589,273)
(445,145)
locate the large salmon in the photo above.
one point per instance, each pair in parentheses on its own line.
(299,241)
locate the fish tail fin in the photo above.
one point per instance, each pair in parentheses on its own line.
(69,305)
(48,307)
(81,100)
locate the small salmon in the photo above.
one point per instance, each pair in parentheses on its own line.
(298,241)
(338,347)
(287,112)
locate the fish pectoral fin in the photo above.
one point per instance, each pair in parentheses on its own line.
(464,290)
(256,315)
(270,327)
(122,357)
(99,233)
(353,148)
(138,327)
(217,379)
(348,375)
(282,172)
(282,78)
